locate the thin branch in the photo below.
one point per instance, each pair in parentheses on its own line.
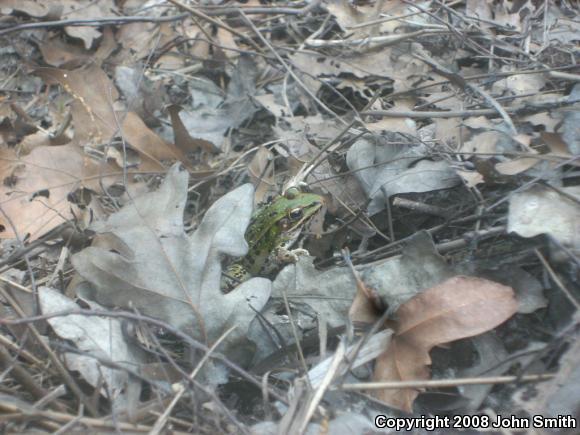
(441,383)
(95,22)
(197,13)
(526,109)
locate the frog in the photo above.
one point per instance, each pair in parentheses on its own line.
(273,228)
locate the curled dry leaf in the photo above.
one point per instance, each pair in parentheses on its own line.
(457,308)
(470,178)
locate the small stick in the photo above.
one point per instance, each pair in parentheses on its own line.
(440,383)
(420,206)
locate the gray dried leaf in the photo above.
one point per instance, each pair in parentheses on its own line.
(543,211)
(142,259)
(211,123)
(385,170)
(95,337)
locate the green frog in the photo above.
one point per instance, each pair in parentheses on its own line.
(273,228)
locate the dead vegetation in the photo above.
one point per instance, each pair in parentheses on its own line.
(137,138)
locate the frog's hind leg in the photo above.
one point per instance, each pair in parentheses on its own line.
(234,275)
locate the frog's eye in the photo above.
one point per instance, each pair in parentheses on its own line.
(292,193)
(295,213)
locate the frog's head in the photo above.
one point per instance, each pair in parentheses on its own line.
(294,208)
(283,215)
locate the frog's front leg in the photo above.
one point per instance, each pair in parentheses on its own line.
(284,255)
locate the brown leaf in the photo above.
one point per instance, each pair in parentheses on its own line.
(30,7)
(261,171)
(35,188)
(470,178)
(457,308)
(149,145)
(62,54)
(94,95)
(401,125)
(96,121)
(516,166)
(228,43)
(138,40)
(482,143)
(450,131)
(521,164)
(59,53)
(556,144)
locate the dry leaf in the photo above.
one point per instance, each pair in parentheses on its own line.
(141,258)
(210,122)
(95,337)
(471,178)
(30,7)
(485,143)
(261,171)
(183,140)
(93,97)
(32,141)
(450,131)
(556,144)
(548,121)
(401,125)
(457,308)
(543,211)
(228,43)
(401,67)
(59,53)
(35,188)
(149,144)
(516,166)
(86,9)
(96,121)
(386,169)
(349,14)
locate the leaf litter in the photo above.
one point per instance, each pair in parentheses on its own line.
(137,140)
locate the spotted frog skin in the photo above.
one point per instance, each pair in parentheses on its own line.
(273,226)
